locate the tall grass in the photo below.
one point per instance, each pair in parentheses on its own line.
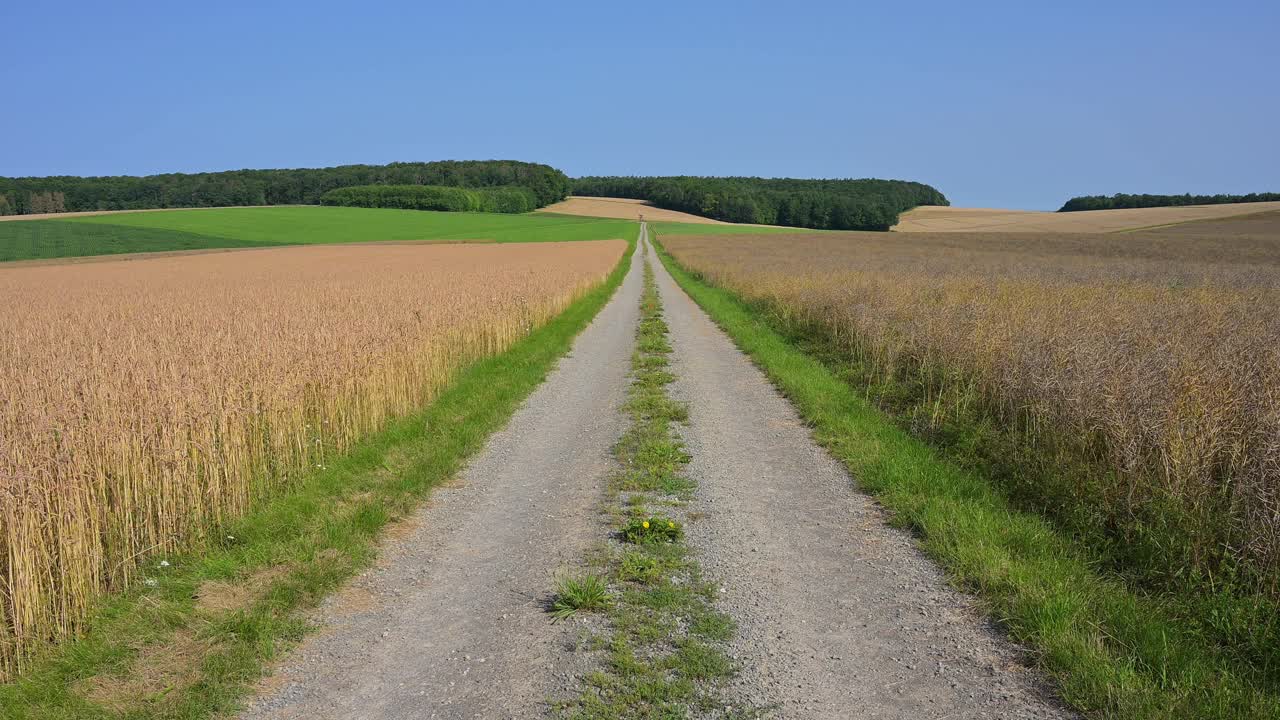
(144,403)
(1128,387)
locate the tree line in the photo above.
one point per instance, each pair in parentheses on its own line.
(500,199)
(1124,200)
(867,204)
(304,186)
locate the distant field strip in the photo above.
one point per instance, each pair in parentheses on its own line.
(292,225)
(957,219)
(624,208)
(146,402)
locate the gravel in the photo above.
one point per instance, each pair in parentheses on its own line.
(452,622)
(839,614)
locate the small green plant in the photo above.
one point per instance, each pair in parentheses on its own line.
(640,568)
(656,529)
(587,593)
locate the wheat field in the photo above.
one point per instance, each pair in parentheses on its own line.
(1153,356)
(144,402)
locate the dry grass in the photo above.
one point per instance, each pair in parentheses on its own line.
(955,219)
(1152,357)
(145,402)
(624,209)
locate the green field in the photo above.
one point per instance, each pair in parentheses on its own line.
(293,225)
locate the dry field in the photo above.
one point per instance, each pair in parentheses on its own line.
(144,401)
(623,209)
(955,219)
(1155,355)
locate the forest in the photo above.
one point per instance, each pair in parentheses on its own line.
(500,199)
(1124,200)
(303,186)
(866,204)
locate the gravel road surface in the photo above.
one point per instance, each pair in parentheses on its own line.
(451,624)
(840,615)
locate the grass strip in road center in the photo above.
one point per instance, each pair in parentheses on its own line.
(663,650)
(1112,652)
(189,643)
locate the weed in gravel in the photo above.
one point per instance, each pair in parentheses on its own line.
(588,593)
(640,568)
(655,529)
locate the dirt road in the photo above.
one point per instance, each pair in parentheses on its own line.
(451,624)
(839,615)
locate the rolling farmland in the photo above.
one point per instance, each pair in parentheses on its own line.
(1109,390)
(230,228)
(148,402)
(675,361)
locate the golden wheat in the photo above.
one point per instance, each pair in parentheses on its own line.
(1159,353)
(144,402)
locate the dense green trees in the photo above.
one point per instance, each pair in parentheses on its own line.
(502,199)
(825,204)
(268,187)
(1123,200)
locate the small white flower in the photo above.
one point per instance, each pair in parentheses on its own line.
(164,563)
(231,537)
(150,582)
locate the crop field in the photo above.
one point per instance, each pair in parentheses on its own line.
(624,208)
(1152,360)
(292,225)
(958,219)
(146,402)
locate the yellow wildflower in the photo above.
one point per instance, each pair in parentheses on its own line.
(645,524)
(670,524)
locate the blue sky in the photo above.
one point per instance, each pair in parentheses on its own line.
(1018,104)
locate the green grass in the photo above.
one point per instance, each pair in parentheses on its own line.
(46,239)
(297,547)
(589,593)
(291,225)
(1112,652)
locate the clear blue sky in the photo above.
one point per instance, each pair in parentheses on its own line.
(1008,104)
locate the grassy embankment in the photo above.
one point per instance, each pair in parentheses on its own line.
(271,226)
(161,651)
(1113,651)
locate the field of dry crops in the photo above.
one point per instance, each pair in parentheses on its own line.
(623,208)
(142,402)
(1154,355)
(958,219)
